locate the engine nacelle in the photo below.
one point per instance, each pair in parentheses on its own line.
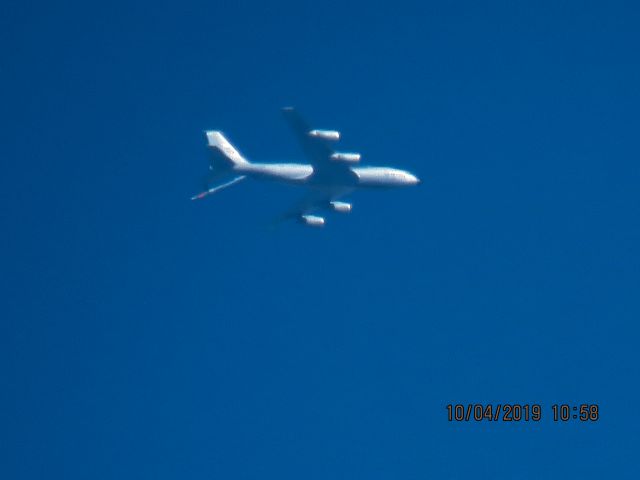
(345,157)
(312,220)
(330,135)
(342,207)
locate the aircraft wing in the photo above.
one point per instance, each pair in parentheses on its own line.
(318,198)
(318,147)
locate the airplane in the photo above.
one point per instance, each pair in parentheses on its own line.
(330,175)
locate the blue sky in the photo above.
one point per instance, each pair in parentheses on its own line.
(146,336)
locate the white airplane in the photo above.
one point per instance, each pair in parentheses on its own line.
(330,175)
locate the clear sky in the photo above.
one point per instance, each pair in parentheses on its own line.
(147,336)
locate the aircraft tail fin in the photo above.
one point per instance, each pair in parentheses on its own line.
(223,153)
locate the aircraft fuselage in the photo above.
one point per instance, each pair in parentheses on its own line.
(363,177)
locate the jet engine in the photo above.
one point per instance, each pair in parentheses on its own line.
(341,207)
(329,135)
(345,157)
(312,220)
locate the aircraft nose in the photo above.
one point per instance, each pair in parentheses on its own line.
(413,180)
